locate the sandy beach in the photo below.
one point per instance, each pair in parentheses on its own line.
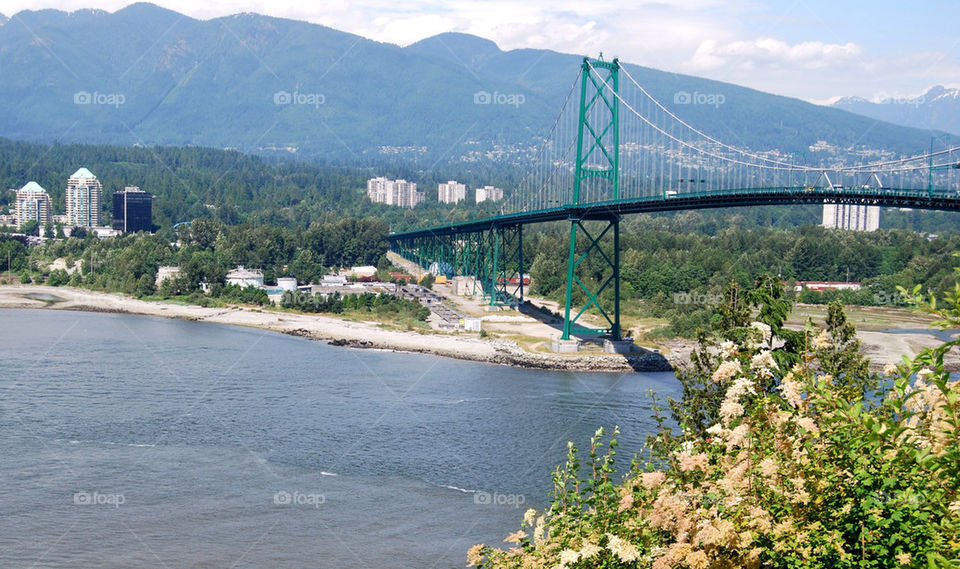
(333,330)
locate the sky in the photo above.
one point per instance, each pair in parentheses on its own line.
(817,50)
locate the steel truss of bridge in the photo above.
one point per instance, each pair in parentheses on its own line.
(491,249)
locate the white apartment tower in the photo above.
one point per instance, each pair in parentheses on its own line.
(33,204)
(855,217)
(399,193)
(83,199)
(489,193)
(451,192)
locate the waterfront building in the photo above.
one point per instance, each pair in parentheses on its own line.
(245,277)
(489,193)
(164,273)
(451,192)
(33,204)
(83,199)
(132,210)
(855,217)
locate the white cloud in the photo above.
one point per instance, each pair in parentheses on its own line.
(772,52)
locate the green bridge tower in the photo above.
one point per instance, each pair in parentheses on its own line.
(597,178)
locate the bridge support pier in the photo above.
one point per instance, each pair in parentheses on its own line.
(493,255)
(506,260)
(610,277)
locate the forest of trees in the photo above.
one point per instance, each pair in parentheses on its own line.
(191,183)
(205,251)
(661,259)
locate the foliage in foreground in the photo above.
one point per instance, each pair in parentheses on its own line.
(810,473)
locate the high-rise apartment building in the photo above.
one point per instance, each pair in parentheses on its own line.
(83,199)
(399,193)
(451,192)
(489,193)
(855,217)
(33,204)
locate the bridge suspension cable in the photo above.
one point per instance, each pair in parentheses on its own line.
(785,165)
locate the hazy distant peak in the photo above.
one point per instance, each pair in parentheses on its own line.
(938,108)
(3,19)
(849,100)
(464,48)
(146,10)
(942,93)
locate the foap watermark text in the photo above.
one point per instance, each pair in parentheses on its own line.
(705,299)
(98,98)
(298,98)
(296,498)
(95,498)
(497,499)
(698,98)
(498,98)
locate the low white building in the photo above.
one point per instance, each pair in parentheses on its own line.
(243,277)
(164,273)
(360,271)
(105,231)
(334,280)
(287,283)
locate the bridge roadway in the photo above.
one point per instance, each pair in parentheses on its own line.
(891,197)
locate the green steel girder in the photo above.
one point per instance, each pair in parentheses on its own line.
(604,77)
(508,261)
(492,255)
(593,296)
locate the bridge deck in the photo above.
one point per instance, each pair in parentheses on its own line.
(893,197)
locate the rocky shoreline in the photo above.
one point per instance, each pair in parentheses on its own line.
(508,354)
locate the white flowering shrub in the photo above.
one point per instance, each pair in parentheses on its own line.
(798,476)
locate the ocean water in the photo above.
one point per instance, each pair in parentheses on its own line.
(129,441)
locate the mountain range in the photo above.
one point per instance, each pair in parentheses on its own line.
(150,76)
(937,109)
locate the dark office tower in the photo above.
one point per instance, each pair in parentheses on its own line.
(132,210)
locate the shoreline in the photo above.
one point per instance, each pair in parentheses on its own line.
(880,347)
(329,329)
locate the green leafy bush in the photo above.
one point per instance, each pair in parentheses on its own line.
(800,469)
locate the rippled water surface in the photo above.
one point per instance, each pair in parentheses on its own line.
(129,441)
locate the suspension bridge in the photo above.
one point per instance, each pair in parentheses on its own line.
(615,150)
